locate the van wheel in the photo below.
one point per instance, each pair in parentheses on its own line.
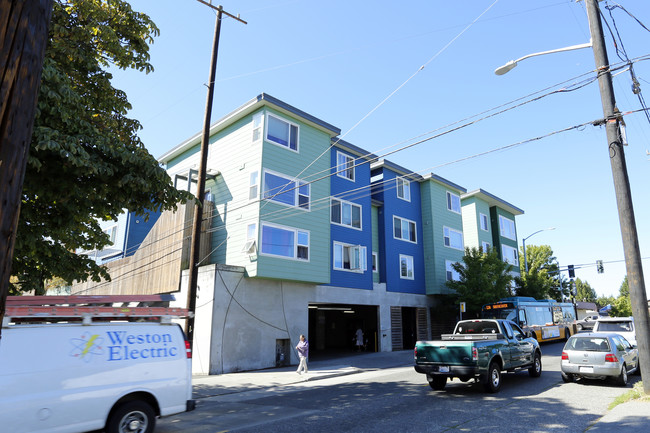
(536,369)
(493,380)
(132,417)
(438,383)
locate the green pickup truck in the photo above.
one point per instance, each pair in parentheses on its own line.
(479,350)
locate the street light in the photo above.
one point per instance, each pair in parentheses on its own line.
(512,63)
(523,241)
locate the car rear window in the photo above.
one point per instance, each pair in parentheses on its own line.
(477,327)
(615,326)
(588,344)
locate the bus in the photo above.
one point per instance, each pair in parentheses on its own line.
(547,320)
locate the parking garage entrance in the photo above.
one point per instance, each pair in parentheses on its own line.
(333,329)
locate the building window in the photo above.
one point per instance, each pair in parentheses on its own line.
(403,189)
(281,132)
(285,242)
(484,222)
(285,190)
(344,166)
(346,213)
(453,202)
(112,234)
(257,127)
(404,229)
(452,274)
(375,262)
(406,267)
(251,238)
(350,257)
(507,227)
(254,183)
(510,255)
(453,238)
(486,246)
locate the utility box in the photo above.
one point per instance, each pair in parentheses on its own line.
(282,352)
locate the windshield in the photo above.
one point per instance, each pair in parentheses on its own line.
(506,314)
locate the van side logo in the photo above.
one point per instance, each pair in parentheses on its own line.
(87,346)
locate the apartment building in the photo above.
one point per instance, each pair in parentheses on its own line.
(310,234)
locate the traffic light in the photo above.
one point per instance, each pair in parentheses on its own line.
(572,273)
(599,266)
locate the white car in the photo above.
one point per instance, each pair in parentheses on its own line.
(619,325)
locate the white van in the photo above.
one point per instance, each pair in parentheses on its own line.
(76,377)
(619,325)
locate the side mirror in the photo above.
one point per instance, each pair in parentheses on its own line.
(529,334)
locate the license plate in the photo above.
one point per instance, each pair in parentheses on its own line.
(586,369)
(443,369)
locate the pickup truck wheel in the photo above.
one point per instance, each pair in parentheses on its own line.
(535,370)
(621,380)
(438,382)
(132,417)
(493,381)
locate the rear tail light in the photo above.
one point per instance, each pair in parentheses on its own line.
(415,352)
(188,350)
(474,354)
(610,357)
(565,356)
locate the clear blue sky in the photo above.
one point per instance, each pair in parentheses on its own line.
(338,60)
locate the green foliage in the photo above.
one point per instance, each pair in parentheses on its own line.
(622,306)
(585,292)
(543,279)
(624,290)
(86,161)
(603,301)
(483,278)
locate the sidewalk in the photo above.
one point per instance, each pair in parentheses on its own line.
(230,383)
(630,417)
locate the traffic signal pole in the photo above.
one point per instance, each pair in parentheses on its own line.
(631,249)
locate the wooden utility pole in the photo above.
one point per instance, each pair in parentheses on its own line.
(192,283)
(631,249)
(23,37)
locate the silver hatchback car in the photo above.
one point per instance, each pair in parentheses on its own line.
(599,356)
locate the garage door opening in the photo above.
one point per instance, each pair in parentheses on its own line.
(333,328)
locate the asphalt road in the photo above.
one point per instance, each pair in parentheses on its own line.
(400,400)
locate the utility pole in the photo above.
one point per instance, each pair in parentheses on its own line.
(23,26)
(192,283)
(633,264)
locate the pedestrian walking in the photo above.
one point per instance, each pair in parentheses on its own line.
(359,339)
(303,354)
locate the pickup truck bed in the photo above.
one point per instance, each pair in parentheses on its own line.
(479,350)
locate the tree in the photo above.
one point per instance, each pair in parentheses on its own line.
(483,278)
(86,161)
(543,279)
(603,301)
(622,306)
(584,292)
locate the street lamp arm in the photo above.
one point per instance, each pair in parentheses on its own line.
(512,63)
